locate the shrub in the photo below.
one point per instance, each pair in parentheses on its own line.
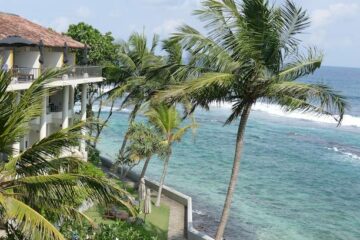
(117,230)
(124,230)
(93,155)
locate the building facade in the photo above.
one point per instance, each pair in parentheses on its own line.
(26,50)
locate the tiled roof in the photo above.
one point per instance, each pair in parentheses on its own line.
(14,25)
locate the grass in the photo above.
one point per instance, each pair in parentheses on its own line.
(156,222)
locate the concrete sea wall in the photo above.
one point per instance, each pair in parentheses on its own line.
(186,201)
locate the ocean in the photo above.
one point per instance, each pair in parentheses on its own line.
(299,176)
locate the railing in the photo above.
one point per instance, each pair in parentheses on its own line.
(54,108)
(79,72)
(23,74)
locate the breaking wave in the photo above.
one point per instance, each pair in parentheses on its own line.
(346,152)
(349,120)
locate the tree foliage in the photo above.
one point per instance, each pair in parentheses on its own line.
(102,49)
(44,183)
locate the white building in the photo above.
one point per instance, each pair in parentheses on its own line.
(27,49)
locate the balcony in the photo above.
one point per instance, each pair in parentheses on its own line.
(22,77)
(22,74)
(81,72)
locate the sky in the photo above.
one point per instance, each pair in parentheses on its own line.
(334,29)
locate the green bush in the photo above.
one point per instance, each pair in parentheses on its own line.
(93,155)
(117,230)
(91,170)
(124,231)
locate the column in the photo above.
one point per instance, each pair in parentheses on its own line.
(16,145)
(65,111)
(71,104)
(11,59)
(43,118)
(83,114)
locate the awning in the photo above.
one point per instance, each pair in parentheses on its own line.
(15,41)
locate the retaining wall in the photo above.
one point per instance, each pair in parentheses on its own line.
(186,201)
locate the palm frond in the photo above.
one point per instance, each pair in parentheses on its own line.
(16,115)
(45,149)
(327,100)
(206,82)
(30,222)
(301,65)
(294,21)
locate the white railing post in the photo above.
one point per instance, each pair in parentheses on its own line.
(65,111)
(43,118)
(71,104)
(16,144)
(83,115)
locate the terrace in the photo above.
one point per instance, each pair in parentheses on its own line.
(25,75)
(22,77)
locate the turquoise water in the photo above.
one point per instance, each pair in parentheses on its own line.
(300,178)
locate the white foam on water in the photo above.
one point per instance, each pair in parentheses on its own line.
(198,212)
(345,152)
(274,109)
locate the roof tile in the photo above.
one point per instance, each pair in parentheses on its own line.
(14,25)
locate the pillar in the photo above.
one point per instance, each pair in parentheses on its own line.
(65,110)
(83,114)
(43,118)
(16,145)
(10,61)
(71,104)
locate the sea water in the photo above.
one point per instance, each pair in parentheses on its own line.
(299,177)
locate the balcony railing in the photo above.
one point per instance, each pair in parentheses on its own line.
(54,108)
(23,74)
(79,72)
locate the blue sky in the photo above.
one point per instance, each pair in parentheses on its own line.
(335,23)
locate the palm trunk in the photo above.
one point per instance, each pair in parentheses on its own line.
(235,172)
(162,179)
(123,145)
(126,137)
(144,168)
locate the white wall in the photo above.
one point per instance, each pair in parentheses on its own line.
(34,136)
(5,58)
(53,59)
(25,58)
(53,127)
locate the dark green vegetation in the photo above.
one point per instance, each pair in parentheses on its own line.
(156,223)
(38,187)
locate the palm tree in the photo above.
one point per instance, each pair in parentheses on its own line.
(39,182)
(144,143)
(136,57)
(142,73)
(251,53)
(167,121)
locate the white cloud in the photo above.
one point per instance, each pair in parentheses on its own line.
(168,27)
(60,24)
(83,12)
(325,20)
(334,12)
